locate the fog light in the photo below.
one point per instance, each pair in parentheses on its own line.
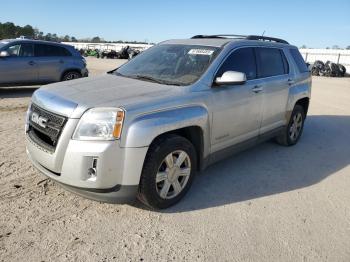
(92,171)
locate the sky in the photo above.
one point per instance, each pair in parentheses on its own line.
(316,24)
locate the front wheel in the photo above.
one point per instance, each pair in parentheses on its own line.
(292,133)
(168,171)
(71,75)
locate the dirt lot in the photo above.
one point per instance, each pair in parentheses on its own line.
(269,203)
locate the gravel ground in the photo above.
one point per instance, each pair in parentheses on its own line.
(269,203)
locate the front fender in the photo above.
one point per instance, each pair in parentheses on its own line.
(145,128)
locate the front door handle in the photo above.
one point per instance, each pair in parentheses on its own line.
(31,63)
(291,81)
(257,89)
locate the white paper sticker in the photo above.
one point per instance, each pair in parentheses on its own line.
(200,52)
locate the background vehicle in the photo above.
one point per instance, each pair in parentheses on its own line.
(108,52)
(148,127)
(32,61)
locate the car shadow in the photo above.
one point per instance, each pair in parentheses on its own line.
(17,92)
(270,169)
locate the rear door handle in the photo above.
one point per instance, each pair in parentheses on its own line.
(31,63)
(291,81)
(257,89)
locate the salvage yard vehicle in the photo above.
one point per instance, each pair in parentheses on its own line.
(33,61)
(109,52)
(146,128)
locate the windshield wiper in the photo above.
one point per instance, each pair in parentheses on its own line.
(159,81)
(149,78)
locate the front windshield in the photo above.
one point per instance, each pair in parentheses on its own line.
(170,64)
(2,44)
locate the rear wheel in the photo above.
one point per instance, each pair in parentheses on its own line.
(292,133)
(168,171)
(71,75)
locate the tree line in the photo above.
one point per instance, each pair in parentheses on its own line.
(9,30)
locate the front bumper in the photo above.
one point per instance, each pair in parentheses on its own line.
(116,194)
(118,169)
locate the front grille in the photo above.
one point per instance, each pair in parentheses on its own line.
(45,127)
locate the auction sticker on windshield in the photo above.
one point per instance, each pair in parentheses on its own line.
(200,52)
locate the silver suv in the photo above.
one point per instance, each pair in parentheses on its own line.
(146,128)
(24,61)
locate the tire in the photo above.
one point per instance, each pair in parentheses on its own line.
(315,71)
(70,75)
(292,133)
(342,70)
(162,153)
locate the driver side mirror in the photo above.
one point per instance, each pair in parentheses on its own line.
(231,78)
(4,54)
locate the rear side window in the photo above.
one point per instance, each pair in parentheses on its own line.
(271,62)
(50,50)
(26,50)
(241,60)
(299,60)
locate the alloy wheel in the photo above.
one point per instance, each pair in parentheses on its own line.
(173,174)
(296,126)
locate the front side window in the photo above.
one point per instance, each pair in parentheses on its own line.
(241,60)
(50,50)
(13,50)
(271,62)
(22,50)
(172,64)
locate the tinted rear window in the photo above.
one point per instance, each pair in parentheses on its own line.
(271,62)
(299,60)
(241,60)
(26,50)
(50,50)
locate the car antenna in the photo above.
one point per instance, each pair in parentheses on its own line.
(263,33)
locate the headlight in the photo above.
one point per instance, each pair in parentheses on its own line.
(100,124)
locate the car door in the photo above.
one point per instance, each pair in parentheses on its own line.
(19,66)
(50,62)
(273,71)
(236,108)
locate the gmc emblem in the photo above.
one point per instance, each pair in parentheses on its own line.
(39,120)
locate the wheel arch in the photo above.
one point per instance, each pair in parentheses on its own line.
(191,123)
(194,134)
(70,70)
(304,102)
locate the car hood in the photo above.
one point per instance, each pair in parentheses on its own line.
(72,98)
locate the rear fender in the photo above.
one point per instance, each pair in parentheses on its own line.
(296,92)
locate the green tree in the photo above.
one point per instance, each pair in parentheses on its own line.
(48,37)
(27,31)
(8,30)
(96,39)
(66,38)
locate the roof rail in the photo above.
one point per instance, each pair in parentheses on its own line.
(266,38)
(219,36)
(246,37)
